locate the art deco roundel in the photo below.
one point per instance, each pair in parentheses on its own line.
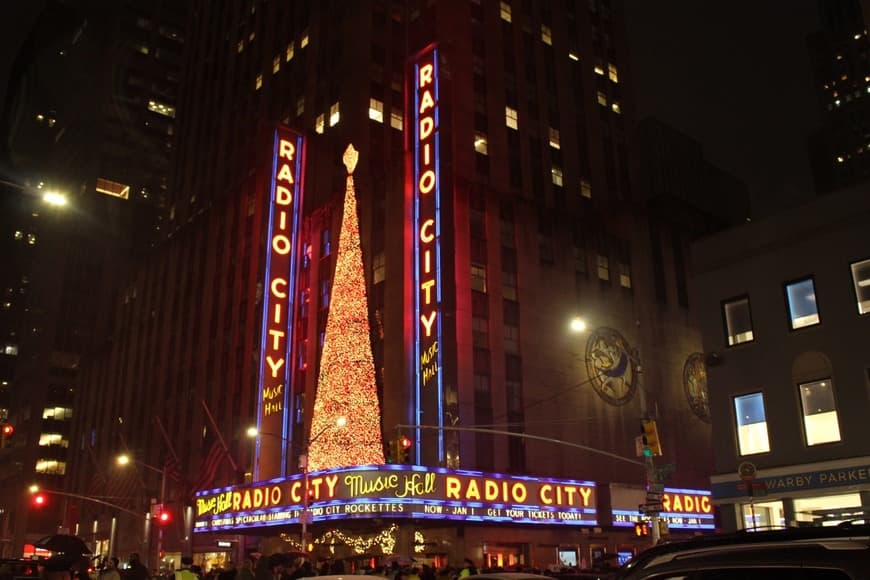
(695,385)
(611,364)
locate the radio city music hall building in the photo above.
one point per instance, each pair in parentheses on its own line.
(430,283)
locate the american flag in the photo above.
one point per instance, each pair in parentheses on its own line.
(209,467)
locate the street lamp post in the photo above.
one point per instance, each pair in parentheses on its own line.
(123,460)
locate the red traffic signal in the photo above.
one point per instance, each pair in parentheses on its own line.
(405,450)
(8,429)
(405,442)
(39,500)
(164,518)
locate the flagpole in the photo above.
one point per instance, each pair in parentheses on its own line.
(220,437)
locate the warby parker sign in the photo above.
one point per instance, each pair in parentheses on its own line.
(399,491)
(285,206)
(425,146)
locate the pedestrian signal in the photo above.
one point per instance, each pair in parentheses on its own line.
(641,529)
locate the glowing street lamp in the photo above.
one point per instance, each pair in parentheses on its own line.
(54,198)
(578,324)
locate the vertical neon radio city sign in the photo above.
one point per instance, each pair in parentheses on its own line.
(279,288)
(425,144)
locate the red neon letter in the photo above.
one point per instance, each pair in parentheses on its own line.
(426,236)
(276,336)
(427,124)
(284,174)
(427,182)
(274,287)
(286,149)
(427,102)
(274,365)
(426,74)
(281,245)
(428,323)
(283,196)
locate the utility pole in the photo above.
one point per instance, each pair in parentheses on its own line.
(652,479)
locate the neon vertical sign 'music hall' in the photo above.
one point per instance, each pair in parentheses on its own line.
(285,206)
(427,240)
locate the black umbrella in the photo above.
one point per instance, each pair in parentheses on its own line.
(70,546)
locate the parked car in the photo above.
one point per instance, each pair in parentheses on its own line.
(18,568)
(812,553)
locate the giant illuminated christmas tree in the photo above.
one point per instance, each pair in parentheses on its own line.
(346,384)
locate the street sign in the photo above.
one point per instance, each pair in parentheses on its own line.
(653,497)
(753,488)
(650,507)
(746,470)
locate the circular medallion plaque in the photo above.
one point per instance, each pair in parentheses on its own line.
(695,386)
(611,364)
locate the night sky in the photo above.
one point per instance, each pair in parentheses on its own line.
(733,75)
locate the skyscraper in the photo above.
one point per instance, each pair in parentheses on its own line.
(496,203)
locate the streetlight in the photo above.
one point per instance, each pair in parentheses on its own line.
(340,423)
(124,459)
(55,198)
(578,324)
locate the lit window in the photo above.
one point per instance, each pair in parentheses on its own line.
(40,118)
(276,63)
(738,321)
(624,275)
(861,280)
(50,466)
(585,189)
(259,82)
(546,35)
(751,424)
(614,106)
(379,268)
(241,46)
(252,36)
(143,49)
(397,121)
(802,307)
(376,110)
(49,439)
(161,109)
(505,11)
(303,42)
(821,421)
(554,139)
(300,106)
(19,235)
(603,267)
(58,413)
(480,143)
(478,277)
(31,239)
(334,115)
(574,56)
(598,70)
(10,349)
(612,73)
(290,51)
(602,99)
(556,175)
(113,188)
(511,118)
(319,123)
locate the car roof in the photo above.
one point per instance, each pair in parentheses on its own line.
(719,546)
(507,576)
(343,577)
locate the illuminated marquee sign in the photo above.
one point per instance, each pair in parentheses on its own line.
(285,206)
(687,509)
(399,491)
(426,187)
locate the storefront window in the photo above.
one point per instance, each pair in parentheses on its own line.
(828,510)
(763,515)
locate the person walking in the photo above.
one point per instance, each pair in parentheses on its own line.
(185,573)
(135,570)
(468,568)
(110,572)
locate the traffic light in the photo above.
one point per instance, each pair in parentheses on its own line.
(39,500)
(404,444)
(5,433)
(641,529)
(651,445)
(164,518)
